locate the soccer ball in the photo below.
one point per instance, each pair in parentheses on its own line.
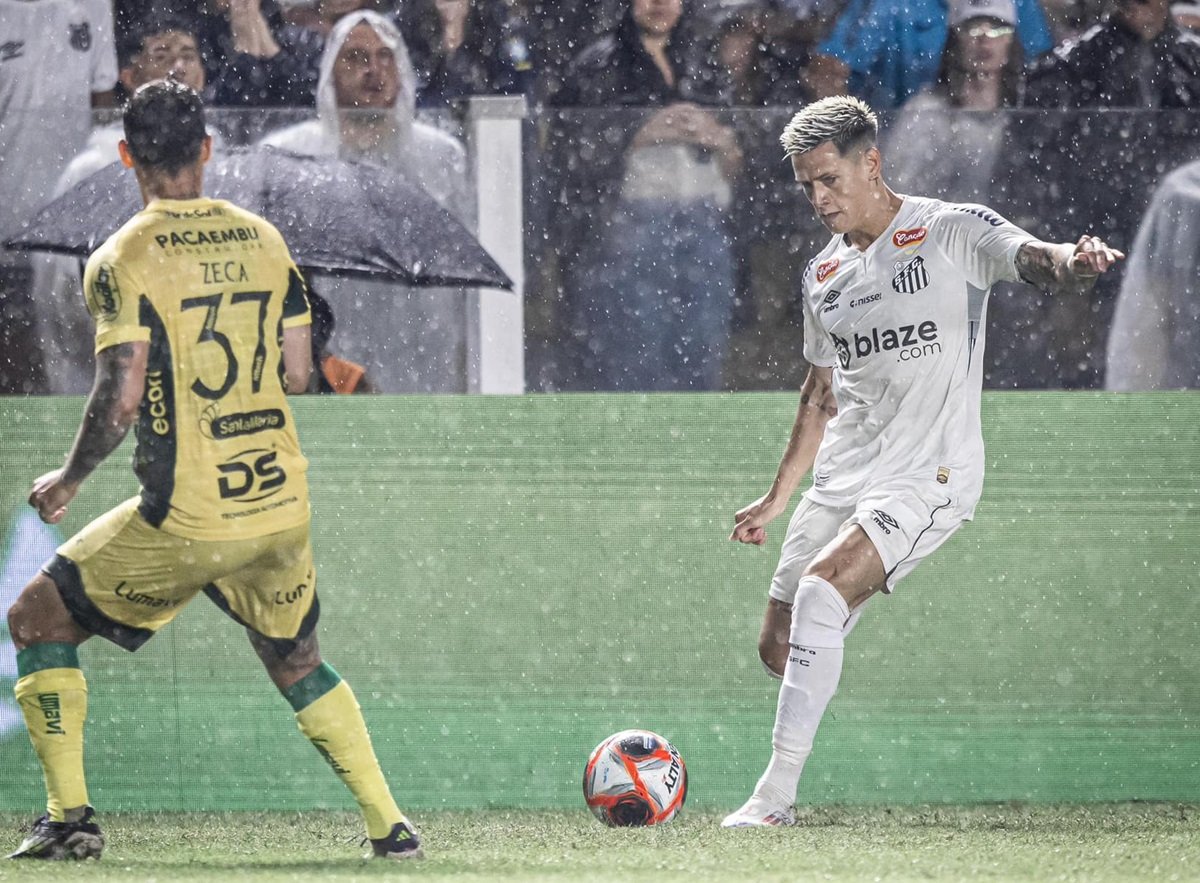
(635,778)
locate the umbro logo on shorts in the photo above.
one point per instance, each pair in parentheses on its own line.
(911,277)
(886,522)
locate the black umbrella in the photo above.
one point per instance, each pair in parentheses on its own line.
(342,217)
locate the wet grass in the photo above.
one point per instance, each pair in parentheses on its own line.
(1094,842)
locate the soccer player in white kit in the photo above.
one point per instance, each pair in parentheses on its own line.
(889,412)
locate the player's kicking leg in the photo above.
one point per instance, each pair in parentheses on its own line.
(841,578)
(328,714)
(52,694)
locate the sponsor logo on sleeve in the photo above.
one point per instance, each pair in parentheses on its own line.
(106,296)
(825,269)
(911,277)
(909,238)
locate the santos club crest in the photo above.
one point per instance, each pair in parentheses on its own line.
(910,277)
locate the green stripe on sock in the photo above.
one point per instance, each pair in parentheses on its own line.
(312,686)
(39,657)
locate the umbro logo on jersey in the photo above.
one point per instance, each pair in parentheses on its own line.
(825,269)
(886,522)
(911,277)
(830,301)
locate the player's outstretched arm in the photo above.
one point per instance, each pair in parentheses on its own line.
(111,409)
(1063,268)
(817,406)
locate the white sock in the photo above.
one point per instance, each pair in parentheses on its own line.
(814,667)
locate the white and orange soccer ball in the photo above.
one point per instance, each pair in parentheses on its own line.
(635,778)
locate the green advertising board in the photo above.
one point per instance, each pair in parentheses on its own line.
(507,580)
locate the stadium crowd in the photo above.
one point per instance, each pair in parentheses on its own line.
(664,239)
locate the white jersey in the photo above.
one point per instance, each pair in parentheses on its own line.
(901,324)
(53,55)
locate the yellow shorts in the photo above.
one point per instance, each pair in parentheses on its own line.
(122,579)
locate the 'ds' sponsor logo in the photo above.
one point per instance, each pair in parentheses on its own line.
(250,476)
(909,238)
(825,269)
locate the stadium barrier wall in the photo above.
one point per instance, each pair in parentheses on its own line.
(507,580)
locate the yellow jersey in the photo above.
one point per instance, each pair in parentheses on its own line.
(210,287)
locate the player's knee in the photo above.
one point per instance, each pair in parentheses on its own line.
(818,614)
(16,622)
(28,622)
(773,658)
(823,568)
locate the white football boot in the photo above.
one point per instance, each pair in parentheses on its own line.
(758,813)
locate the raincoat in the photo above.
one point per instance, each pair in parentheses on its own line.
(407,339)
(1154,342)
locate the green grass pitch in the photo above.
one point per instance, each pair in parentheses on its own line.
(1086,842)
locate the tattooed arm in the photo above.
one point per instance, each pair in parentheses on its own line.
(817,407)
(1063,268)
(111,409)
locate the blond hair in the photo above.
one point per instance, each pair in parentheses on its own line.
(842,120)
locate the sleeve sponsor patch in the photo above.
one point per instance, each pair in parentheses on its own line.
(105,294)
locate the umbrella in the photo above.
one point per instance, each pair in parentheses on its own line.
(346,218)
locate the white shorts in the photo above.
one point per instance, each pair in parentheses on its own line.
(905,520)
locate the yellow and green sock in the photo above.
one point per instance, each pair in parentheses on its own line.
(52,694)
(328,714)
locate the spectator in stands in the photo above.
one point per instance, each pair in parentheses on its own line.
(1070,18)
(1154,342)
(255,59)
(465,47)
(1137,58)
(885,51)
(762,53)
(57,60)
(559,30)
(408,340)
(160,45)
(1187,16)
(646,190)
(981,70)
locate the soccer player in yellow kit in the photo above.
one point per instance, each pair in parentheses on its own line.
(202,328)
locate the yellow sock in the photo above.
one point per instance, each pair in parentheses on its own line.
(333,722)
(54,702)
